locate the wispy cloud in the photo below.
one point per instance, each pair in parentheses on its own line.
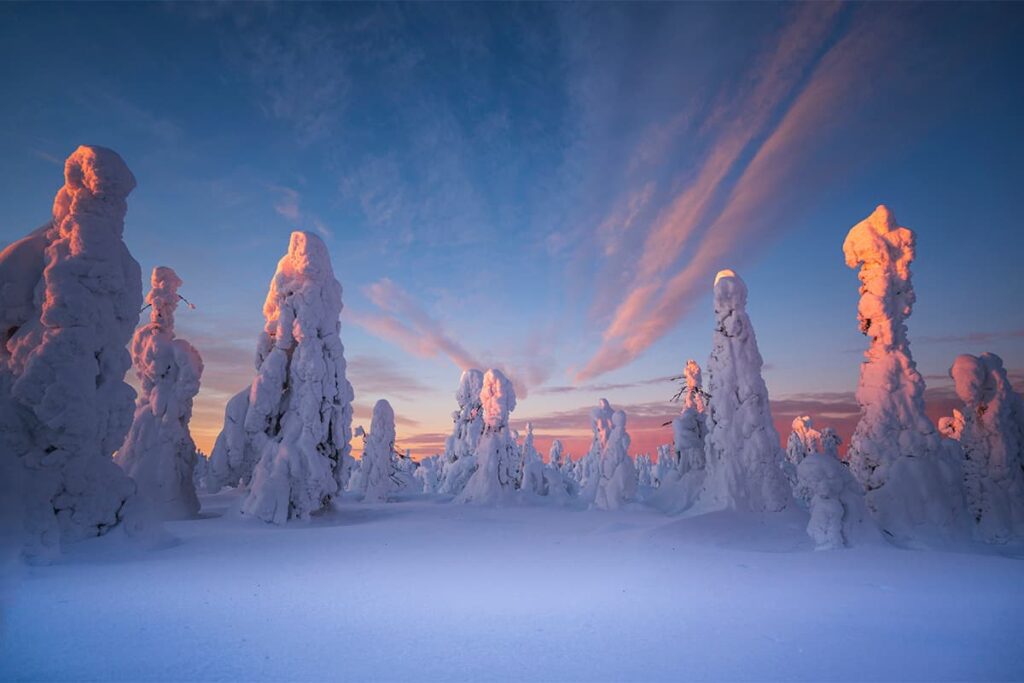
(970,337)
(289,207)
(376,375)
(751,211)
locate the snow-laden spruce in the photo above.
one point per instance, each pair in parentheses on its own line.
(742,450)
(680,471)
(532,480)
(589,466)
(558,482)
(378,466)
(497,457)
(804,440)
(428,474)
(617,483)
(71,294)
(159,453)
(909,472)
(460,446)
(290,431)
(990,429)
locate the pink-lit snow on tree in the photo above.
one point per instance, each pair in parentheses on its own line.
(71,297)
(159,453)
(910,476)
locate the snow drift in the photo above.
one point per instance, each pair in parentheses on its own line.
(159,453)
(71,295)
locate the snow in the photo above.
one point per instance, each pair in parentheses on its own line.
(159,453)
(990,430)
(377,468)
(618,483)
(911,474)
(407,591)
(498,461)
(460,446)
(743,455)
(71,293)
(292,446)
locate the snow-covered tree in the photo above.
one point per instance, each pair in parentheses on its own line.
(460,446)
(378,468)
(742,447)
(557,485)
(497,458)
(71,294)
(290,430)
(428,474)
(589,466)
(835,500)
(910,476)
(644,471)
(990,430)
(532,480)
(159,453)
(689,428)
(618,481)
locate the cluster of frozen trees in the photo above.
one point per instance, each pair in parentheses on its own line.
(84,463)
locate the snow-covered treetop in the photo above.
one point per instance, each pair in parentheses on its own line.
(382,423)
(884,252)
(163,297)
(498,399)
(730,293)
(306,271)
(975,378)
(470,384)
(601,422)
(693,395)
(94,173)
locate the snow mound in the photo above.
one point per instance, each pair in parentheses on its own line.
(743,456)
(911,475)
(71,294)
(159,453)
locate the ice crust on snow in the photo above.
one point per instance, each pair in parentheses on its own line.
(71,293)
(159,453)
(288,435)
(990,429)
(910,473)
(743,455)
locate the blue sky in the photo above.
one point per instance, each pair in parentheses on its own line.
(548,188)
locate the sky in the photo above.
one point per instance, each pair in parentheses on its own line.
(545,188)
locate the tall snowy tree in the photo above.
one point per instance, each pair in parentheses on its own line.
(460,446)
(159,453)
(618,481)
(532,480)
(910,476)
(990,429)
(71,294)
(290,430)
(589,466)
(496,475)
(378,467)
(742,447)
(689,428)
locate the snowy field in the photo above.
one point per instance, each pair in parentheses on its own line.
(428,591)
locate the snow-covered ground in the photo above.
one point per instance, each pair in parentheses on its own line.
(429,591)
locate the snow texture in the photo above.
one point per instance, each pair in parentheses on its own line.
(617,484)
(835,500)
(460,446)
(71,295)
(498,462)
(742,447)
(910,473)
(159,453)
(378,466)
(290,433)
(990,429)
